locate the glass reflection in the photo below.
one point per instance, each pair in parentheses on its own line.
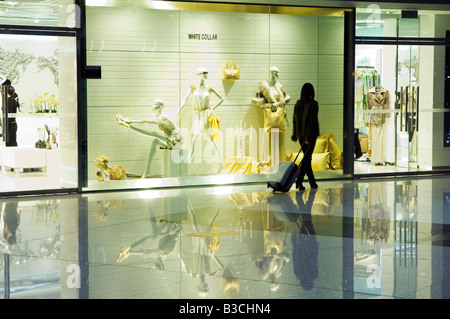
(378,239)
(31,248)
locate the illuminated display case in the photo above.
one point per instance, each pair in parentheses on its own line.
(177,103)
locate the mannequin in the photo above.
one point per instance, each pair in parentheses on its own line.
(273,104)
(168,138)
(378,98)
(13,107)
(201,97)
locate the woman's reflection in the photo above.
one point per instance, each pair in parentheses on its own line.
(11,222)
(305,247)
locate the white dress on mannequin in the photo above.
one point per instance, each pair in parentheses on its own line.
(378,99)
(200,98)
(202,143)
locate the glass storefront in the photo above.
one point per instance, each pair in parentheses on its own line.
(399,92)
(53,13)
(38,72)
(169,111)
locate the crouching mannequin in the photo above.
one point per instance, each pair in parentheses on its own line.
(168,136)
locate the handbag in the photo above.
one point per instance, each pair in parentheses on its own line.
(274,119)
(231,71)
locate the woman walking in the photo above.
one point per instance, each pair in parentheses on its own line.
(306,130)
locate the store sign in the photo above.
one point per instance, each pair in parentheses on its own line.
(202,36)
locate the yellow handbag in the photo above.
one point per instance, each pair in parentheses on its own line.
(231,71)
(274,119)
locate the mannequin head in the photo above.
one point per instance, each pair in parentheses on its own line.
(11,91)
(158,105)
(202,73)
(274,72)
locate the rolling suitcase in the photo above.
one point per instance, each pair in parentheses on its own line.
(284,175)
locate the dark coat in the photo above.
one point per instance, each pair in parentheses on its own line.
(306,120)
(13,105)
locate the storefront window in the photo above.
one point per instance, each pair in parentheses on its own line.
(400,93)
(374,21)
(38,112)
(199,72)
(59,13)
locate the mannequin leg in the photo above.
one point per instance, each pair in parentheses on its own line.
(218,156)
(162,139)
(194,142)
(150,157)
(159,140)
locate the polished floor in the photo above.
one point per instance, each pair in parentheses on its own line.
(379,238)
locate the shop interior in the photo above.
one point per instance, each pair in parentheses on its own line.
(38,113)
(399,89)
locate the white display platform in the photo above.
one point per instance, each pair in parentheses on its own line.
(23,157)
(174,162)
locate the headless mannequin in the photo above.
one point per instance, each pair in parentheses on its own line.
(168,137)
(202,111)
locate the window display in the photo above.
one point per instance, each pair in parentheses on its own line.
(213,59)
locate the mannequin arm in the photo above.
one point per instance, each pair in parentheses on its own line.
(220,98)
(287,98)
(188,94)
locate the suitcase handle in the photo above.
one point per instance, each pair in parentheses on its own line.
(300,151)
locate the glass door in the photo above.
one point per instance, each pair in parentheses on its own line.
(407,105)
(375,90)
(387,108)
(38,146)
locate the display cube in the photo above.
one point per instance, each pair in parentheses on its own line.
(20,158)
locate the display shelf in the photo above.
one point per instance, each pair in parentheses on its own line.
(33,115)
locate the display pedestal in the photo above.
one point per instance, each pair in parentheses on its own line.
(20,158)
(276,146)
(175,162)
